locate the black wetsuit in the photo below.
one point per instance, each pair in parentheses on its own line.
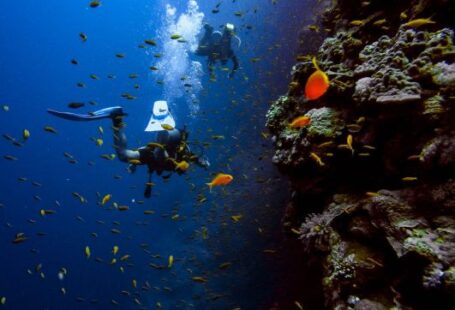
(169,149)
(158,159)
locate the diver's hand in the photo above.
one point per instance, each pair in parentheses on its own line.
(131,168)
(203,162)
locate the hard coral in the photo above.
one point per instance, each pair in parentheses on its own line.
(316,232)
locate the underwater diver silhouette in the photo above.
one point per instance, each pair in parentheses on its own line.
(217,46)
(170,152)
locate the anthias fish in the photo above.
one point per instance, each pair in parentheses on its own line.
(220,179)
(317,84)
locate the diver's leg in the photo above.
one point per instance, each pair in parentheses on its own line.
(211,67)
(100,114)
(120,142)
(235,65)
(148,186)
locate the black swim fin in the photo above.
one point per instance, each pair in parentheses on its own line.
(148,191)
(110,112)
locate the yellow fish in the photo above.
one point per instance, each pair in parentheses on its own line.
(46,212)
(167,127)
(150,42)
(99,142)
(115,250)
(87,251)
(357,22)
(25,134)
(50,129)
(182,166)
(134,282)
(106,199)
(199,279)
(135,161)
(236,218)
(415,23)
(372,194)
(124,257)
(225,265)
(317,159)
(380,22)
(170,261)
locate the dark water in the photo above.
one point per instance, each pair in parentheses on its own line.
(38,39)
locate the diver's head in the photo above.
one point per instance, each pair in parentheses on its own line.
(170,138)
(229,29)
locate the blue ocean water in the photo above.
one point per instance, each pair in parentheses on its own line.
(38,40)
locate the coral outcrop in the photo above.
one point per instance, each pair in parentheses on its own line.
(377,161)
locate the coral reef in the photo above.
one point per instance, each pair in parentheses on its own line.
(377,161)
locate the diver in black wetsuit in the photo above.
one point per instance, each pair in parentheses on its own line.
(217,47)
(169,153)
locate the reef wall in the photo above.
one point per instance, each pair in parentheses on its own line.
(373,177)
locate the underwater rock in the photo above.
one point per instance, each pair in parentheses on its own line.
(444,76)
(392,216)
(340,48)
(386,62)
(401,222)
(279,111)
(439,152)
(377,160)
(294,146)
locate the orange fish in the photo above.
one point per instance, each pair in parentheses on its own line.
(317,84)
(220,179)
(300,122)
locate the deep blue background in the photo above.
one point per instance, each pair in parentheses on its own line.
(38,39)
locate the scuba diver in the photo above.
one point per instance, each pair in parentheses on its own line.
(218,46)
(169,153)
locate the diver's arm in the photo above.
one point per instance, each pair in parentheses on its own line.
(201,161)
(120,142)
(235,65)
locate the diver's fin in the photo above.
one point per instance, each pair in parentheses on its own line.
(110,112)
(160,116)
(148,191)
